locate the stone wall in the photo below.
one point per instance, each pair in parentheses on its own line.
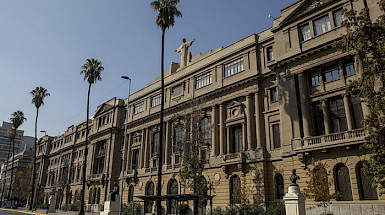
(348,209)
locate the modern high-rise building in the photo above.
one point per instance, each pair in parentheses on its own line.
(5,141)
(268,103)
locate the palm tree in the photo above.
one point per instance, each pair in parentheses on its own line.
(38,95)
(17,119)
(91,70)
(165,19)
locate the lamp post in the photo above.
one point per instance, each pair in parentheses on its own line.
(124,144)
(45,133)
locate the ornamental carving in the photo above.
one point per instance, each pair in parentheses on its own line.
(235,111)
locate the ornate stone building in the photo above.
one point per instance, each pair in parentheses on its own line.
(272,102)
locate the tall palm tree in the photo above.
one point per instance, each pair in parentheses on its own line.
(91,70)
(17,120)
(165,19)
(38,95)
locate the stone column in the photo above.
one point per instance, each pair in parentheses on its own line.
(145,147)
(304,105)
(244,138)
(249,124)
(221,129)
(258,117)
(167,145)
(129,154)
(348,112)
(227,140)
(325,112)
(214,128)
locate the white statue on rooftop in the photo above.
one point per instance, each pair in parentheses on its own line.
(183,49)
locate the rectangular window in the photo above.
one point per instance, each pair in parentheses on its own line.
(270,53)
(314,79)
(139,108)
(338,17)
(349,69)
(276,136)
(305,32)
(331,75)
(205,129)
(357,112)
(176,91)
(321,25)
(203,80)
(155,100)
(135,159)
(273,94)
(234,67)
(237,137)
(318,118)
(337,115)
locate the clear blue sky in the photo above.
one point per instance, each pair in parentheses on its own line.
(45,42)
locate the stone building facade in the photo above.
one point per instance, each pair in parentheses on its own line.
(272,102)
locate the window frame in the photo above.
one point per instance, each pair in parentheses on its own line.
(156,100)
(318,25)
(203,80)
(139,107)
(233,67)
(269,53)
(305,35)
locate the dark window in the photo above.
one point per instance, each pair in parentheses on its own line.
(99,157)
(235,190)
(270,53)
(318,118)
(135,159)
(276,136)
(237,145)
(337,115)
(155,143)
(148,205)
(172,206)
(343,186)
(98,197)
(273,94)
(357,112)
(367,191)
(280,189)
(205,129)
(179,138)
(90,196)
(130,194)
(331,75)
(349,69)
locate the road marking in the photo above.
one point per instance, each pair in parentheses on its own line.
(26,212)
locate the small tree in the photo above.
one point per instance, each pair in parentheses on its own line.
(367,39)
(318,186)
(194,158)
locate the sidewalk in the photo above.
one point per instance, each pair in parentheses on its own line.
(43,212)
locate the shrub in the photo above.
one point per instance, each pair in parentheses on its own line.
(131,209)
(276,208)
(183,209)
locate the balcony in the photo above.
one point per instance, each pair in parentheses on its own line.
(335,139)
(233,158)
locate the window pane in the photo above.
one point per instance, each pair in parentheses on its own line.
(349,69)
(321,25)
(318,118)
(332,75)
(273,94)
(276,136)
(233,68)
(305,32)
(338,18)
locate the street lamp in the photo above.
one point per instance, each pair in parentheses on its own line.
(124,144)
(45,133)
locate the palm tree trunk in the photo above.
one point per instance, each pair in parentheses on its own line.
(81,212)
(13,158)
(34,165)
(6,170)
(160,149)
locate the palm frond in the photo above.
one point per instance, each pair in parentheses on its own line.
(92,70)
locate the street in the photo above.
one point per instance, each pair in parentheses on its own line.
(5,211)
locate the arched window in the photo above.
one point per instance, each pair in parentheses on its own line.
(148,205)
(342,182)
(130,194)
(367,191)
(172,204)
(235,190)
(279,187)
(90,196)
(94,196)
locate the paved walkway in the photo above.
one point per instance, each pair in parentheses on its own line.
(43,211)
